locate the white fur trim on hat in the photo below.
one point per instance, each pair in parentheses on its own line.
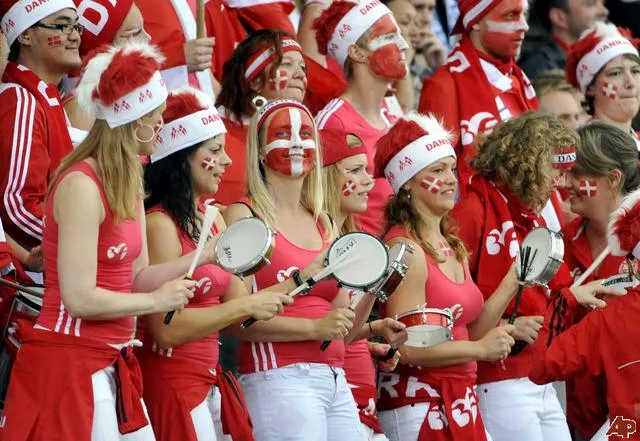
(353,25)
(628,203)
(26,13)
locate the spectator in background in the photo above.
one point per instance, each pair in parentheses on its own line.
(406,17)
(625,13)
(559,98)
(431,51)
(561,24)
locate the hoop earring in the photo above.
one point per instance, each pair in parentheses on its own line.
(144,141)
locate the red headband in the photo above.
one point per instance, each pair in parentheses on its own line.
(273,106)
(564,158)
(261,59)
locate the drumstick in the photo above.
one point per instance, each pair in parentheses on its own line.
(352,306)
(6,282)
(210,215)
(603,255)
(526,264)
(201,30)
(340,262)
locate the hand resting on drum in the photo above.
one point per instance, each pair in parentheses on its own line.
(497,343)
(590,295)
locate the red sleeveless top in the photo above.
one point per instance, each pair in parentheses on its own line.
(212,284)
(119,245)
(262,356)
(465,301)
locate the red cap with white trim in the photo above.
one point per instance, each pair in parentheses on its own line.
(101,20)
(18,16)
(471,12)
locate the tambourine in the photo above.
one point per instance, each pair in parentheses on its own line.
(399,259)
(547,255)
(245,247)
(373,255)
(427,327)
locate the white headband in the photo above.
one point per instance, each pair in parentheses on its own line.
(609,48)
(135,104)
(351,27)
(187,131)
(414,157)
(26,13)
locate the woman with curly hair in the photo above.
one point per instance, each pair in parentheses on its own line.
(517,167)
(431,396)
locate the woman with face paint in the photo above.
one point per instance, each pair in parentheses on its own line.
(606,170)
(518,166)
(604,64)
(268,63)
(431,395)
(348,186)
(295,390)
(184,354)
(76,365)
(365,39)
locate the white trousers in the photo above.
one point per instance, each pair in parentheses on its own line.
(206,418)
(302,402)
(371,435)
(105,420)
(521,410)
(404,423)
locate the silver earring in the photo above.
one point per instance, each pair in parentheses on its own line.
(144,141)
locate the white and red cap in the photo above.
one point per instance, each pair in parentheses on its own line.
(414,142)
(563,159)
(101,20)
(357,18)
(190,118)
(471,12)
(265,56)
(273,106)
(18,16)
(594,50)
(624,227)
(122,83)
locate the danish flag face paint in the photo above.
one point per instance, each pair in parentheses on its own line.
(54,41)
(279,79)
(610,90)
(588,189)
(446,250)
(290,148)
(348,188)
(387,48)
(432,184)
(208,163)
(506,26)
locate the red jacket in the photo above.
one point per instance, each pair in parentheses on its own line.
(603,343)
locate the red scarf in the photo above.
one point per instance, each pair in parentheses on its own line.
(174,387)
(363,395)
(58,140)
(477,93)
(51,393)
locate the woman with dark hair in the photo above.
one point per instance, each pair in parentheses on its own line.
(179,360)
(604,64)
(268,63)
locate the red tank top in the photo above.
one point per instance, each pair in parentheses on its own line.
(119,245)
(212,283)
(261,356)
(465,302)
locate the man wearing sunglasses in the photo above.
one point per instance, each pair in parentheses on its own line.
(44,37)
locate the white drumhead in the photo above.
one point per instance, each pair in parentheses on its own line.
(242,244)
(538,239)
(424,336)
(369,267)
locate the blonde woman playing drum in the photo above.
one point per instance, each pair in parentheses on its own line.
(431,396)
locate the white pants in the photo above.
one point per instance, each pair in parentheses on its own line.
(371,435)
(206,418)
(404,423)
(522,410)
(302,402)
(105,420)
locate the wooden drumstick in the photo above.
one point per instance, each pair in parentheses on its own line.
(352,306)
(18,287)
(596,263)
(201,27)
(210,215)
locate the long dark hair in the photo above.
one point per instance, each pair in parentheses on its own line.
(168,183)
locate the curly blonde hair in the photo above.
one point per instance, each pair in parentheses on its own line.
(519,153)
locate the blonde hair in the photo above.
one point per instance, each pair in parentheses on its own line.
(333,176)
(116,152)
(312,197)
(519,152)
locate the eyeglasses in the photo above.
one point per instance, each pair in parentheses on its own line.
(66,29)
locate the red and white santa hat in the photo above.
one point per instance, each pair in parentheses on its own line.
(338,144)
(101,20)
(190,118)
(122,83)
(414,142)
(343,23)
(596,48)
(471,12)
(265,56)
(18,16)
(624,227)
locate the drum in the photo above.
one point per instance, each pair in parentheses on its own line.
(400,257)
(547,252)
(427,326)
(373,255)
(245,247)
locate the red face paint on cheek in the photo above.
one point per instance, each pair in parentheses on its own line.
(54,41)
(432,184)
(588,189)
(387,62)
(290,148)
(348,188)
(610,90)
(208,163)
(279,80)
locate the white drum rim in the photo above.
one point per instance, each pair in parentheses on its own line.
(383,271)
(555,246)
(239,269)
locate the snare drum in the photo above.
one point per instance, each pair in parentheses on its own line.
(373,257)
(427,326)
(245,247)
(400,258)
(548,258)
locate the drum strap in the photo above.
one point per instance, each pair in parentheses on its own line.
(253,212)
